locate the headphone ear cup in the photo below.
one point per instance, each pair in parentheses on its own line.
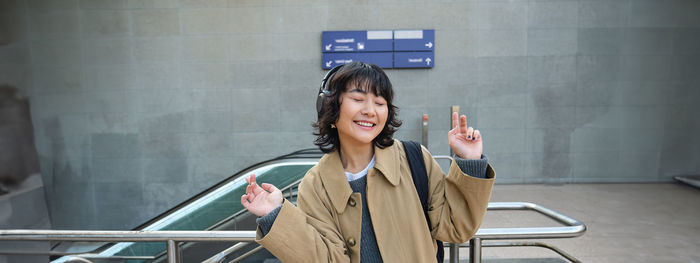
(323,92)
(320,100)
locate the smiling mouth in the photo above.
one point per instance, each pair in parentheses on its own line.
(365,124)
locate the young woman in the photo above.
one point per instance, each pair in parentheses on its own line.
(359,204)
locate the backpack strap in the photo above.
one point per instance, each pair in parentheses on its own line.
(414,154)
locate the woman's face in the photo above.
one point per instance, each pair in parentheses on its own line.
(362,116)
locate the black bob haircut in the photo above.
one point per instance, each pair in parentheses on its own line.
(368,78)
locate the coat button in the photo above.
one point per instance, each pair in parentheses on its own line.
(351,242)
(352,202)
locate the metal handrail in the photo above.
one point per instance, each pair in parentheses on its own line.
(171,238)
(529,244)
(573,228)
(89,253)
(125,236)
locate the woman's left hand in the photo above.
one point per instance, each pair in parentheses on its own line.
(464,141)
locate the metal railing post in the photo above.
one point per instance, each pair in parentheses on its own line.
(424,131)
(173,253)
(454,253)
(475,250)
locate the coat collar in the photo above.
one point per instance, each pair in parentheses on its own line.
(387,163)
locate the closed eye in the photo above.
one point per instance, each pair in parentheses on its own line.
(380,101)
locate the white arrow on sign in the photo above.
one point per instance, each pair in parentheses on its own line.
(328,47)
(429,45)
(427,60)
(329,63)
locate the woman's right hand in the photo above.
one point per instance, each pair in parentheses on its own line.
(261,200)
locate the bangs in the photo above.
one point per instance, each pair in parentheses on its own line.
(368,85)
(366,78)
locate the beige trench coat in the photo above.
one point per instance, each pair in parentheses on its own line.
(326,223)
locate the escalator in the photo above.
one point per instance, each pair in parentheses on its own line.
(217,208)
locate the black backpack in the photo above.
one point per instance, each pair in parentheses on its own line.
(414,154)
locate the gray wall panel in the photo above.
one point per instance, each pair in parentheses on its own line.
(551,42)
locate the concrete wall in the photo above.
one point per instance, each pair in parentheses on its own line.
(24,207)
(140,104)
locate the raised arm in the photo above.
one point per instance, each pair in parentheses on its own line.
(458,201)
(303,233)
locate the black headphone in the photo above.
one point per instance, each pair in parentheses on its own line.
(323,92)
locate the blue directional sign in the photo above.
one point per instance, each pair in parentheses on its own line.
(382,59)
(414,40)
(385,48)
(357,41)
(414,59)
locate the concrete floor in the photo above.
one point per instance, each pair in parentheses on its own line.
(626,222)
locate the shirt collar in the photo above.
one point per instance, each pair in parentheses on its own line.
(360,174)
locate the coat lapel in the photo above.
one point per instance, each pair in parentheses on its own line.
(334,181)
